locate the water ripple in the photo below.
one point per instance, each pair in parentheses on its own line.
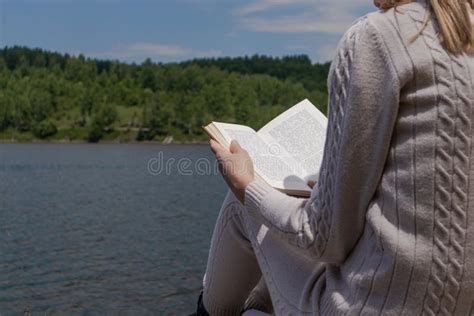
(85,230)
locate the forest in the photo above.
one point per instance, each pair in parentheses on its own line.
(59,97)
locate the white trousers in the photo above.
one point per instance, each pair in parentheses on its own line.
(250,267)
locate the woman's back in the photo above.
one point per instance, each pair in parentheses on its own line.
(389,226)
(416,253)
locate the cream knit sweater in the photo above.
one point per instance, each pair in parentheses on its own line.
(392,214)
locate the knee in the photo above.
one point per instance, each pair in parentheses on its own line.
(230,199)
(231,209)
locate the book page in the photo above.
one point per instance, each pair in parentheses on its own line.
(276,169)
(300,131)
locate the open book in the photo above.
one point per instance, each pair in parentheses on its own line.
(287,152)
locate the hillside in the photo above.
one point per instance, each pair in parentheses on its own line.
(47,95)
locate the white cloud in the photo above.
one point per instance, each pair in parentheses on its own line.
(263,5)
(311,27)
(293,24)
(325,52)
(317,16)
(317,52)
(153,50)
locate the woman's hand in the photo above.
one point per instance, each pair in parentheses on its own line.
(235,166)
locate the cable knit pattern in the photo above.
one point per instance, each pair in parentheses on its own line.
(460,187)
(309,227)
(392,215)
(461,170)
(452,168)
(444,168)
(323,200)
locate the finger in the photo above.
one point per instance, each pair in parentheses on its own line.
(220,151)
(311,183)
(234,147)
(215,146)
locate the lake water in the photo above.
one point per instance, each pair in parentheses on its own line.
(97,229)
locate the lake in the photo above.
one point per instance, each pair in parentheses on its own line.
(105,229)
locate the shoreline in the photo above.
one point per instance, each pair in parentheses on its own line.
(105,142)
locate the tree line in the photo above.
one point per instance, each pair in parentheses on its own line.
(49,95)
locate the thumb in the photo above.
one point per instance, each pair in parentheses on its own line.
(234,147)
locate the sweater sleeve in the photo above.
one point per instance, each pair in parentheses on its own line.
(363,105)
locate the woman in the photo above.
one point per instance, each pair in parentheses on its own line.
(389,226)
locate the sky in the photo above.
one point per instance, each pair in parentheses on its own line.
(176,30)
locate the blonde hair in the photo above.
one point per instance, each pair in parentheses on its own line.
(457,29)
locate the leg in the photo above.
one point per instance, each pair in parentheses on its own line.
(243,251)
(295,282)
(259,299)
(232,269)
